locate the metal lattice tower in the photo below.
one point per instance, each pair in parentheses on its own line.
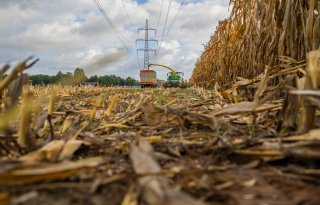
(147,46)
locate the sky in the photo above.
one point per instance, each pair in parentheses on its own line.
(66,34)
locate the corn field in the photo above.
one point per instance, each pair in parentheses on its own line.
(258,34)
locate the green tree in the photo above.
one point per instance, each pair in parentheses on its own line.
(64,79)
(42,79)
(130,81)
(93,78)
(59,76)
(79,76)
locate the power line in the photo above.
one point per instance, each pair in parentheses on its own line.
(125,8)
(175,17)
(165,23)
(138,58)
(103,12)
(160,15)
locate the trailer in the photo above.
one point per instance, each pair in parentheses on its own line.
(148,78)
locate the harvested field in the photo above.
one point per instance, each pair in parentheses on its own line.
(97,145)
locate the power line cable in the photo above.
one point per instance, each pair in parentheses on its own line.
(120,36)
(108,19)
(125,8)
(160,15)
(174,19)
(138,60)
(165,23)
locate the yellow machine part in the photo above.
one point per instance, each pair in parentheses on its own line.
(173,71)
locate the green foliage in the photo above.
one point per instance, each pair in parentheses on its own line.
(93,78)
(130,81)
(42,79)
(112,80)
(66,79)
(79,77)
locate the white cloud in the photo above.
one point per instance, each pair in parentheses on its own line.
(66,34)
(48,36)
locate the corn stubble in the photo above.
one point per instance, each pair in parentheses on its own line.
(146,141)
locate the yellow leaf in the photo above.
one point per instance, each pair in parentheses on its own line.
(93,113)
(172,102)
(130,198)
(154,139)
(66,124)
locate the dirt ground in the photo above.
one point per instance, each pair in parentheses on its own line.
(158,146)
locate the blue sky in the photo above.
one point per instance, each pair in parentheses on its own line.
(142,1)
(66,34)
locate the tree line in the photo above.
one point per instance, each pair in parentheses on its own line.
(78,77)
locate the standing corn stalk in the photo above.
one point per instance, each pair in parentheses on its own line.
(312,82)
(25,119)
(11,87)
(256,35)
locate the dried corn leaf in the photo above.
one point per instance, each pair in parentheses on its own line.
(69,148)
(244,107)
(50,172)
(310,136)
(156,190)
(49,152)
(154,116)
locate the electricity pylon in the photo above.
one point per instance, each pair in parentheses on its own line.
(147,47)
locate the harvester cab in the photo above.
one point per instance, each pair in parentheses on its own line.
(177,73)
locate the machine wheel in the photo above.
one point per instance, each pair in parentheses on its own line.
(165,84)
(183,85)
